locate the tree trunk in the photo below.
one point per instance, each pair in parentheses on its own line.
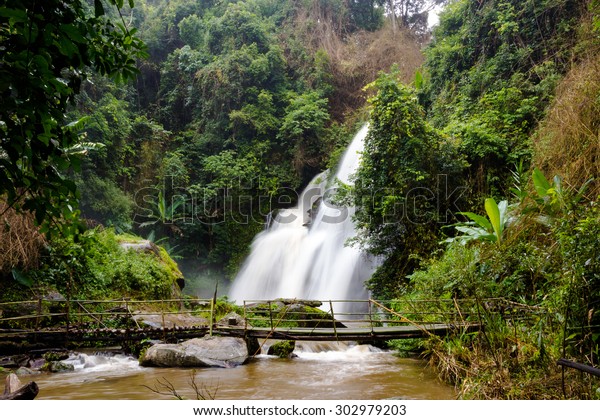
(393,16)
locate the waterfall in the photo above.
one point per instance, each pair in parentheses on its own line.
(303,253)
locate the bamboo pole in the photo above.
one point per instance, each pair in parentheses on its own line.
(333,318)
(270,314)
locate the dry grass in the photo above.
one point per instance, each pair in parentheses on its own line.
(365,54)
(356,59)
(476,372)
(20,240)
(568,143)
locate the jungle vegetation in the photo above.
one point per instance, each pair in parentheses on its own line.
(186,122)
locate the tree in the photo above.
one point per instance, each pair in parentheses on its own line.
(400,187)
(411,13)
(48,49)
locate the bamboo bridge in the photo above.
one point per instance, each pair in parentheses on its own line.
(47,323)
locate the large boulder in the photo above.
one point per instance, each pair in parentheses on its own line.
(198,352)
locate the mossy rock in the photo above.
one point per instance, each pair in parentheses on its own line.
(55,356)
(296,314)
(282,349)
(57,367)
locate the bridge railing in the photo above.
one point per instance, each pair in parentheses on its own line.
(281,313)
(36,314)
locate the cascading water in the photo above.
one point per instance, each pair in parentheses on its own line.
(303,253)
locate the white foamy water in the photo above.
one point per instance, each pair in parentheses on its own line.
(348,353)
(102,362)
(304,254)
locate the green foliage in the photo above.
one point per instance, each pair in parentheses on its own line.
(102,200)
(492,69)
(94,266)
(594,6)
(282,349)
(454,274)
(397,184)
(48,48)
(579,289)
(482,229)
(553,200)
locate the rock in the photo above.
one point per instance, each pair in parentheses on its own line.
(57,367)
(12,383)
(198,352)
(14,390)
(232,320)
(36,363)
(282,349)
(140,246)
(56,356)
(54,296)
(8,363)
(254,347)
(23,371)
(310,303)
(171,320)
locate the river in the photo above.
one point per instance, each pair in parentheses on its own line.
(344,373)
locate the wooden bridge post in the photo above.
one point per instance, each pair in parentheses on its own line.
(371,316)
(68,325)
(162,315)
(333,320)
(212,317)
(245,321)
(270,313)
(37,319)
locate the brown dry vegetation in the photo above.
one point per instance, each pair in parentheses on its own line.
(20,240)
(356,59)
(365,54)
(476,372)
(568,143)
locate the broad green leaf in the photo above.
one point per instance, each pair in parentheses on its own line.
(418,80)
(79,124)
(540,183)
(15,14)
(21,278)
(480,220)
(493,213)
(98,8)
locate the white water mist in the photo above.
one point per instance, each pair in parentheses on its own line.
(303,254)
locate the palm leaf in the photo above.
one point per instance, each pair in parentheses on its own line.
(480,220)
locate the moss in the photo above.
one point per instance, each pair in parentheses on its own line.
(128,237)
(169,264)
(282,349)
(53,356)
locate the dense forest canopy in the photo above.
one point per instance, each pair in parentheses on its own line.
(237,104)
(234,107)
(187,122)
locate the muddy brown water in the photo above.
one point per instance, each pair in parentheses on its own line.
(342,373)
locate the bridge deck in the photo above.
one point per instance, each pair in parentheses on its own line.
(85,322)
(347,334)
